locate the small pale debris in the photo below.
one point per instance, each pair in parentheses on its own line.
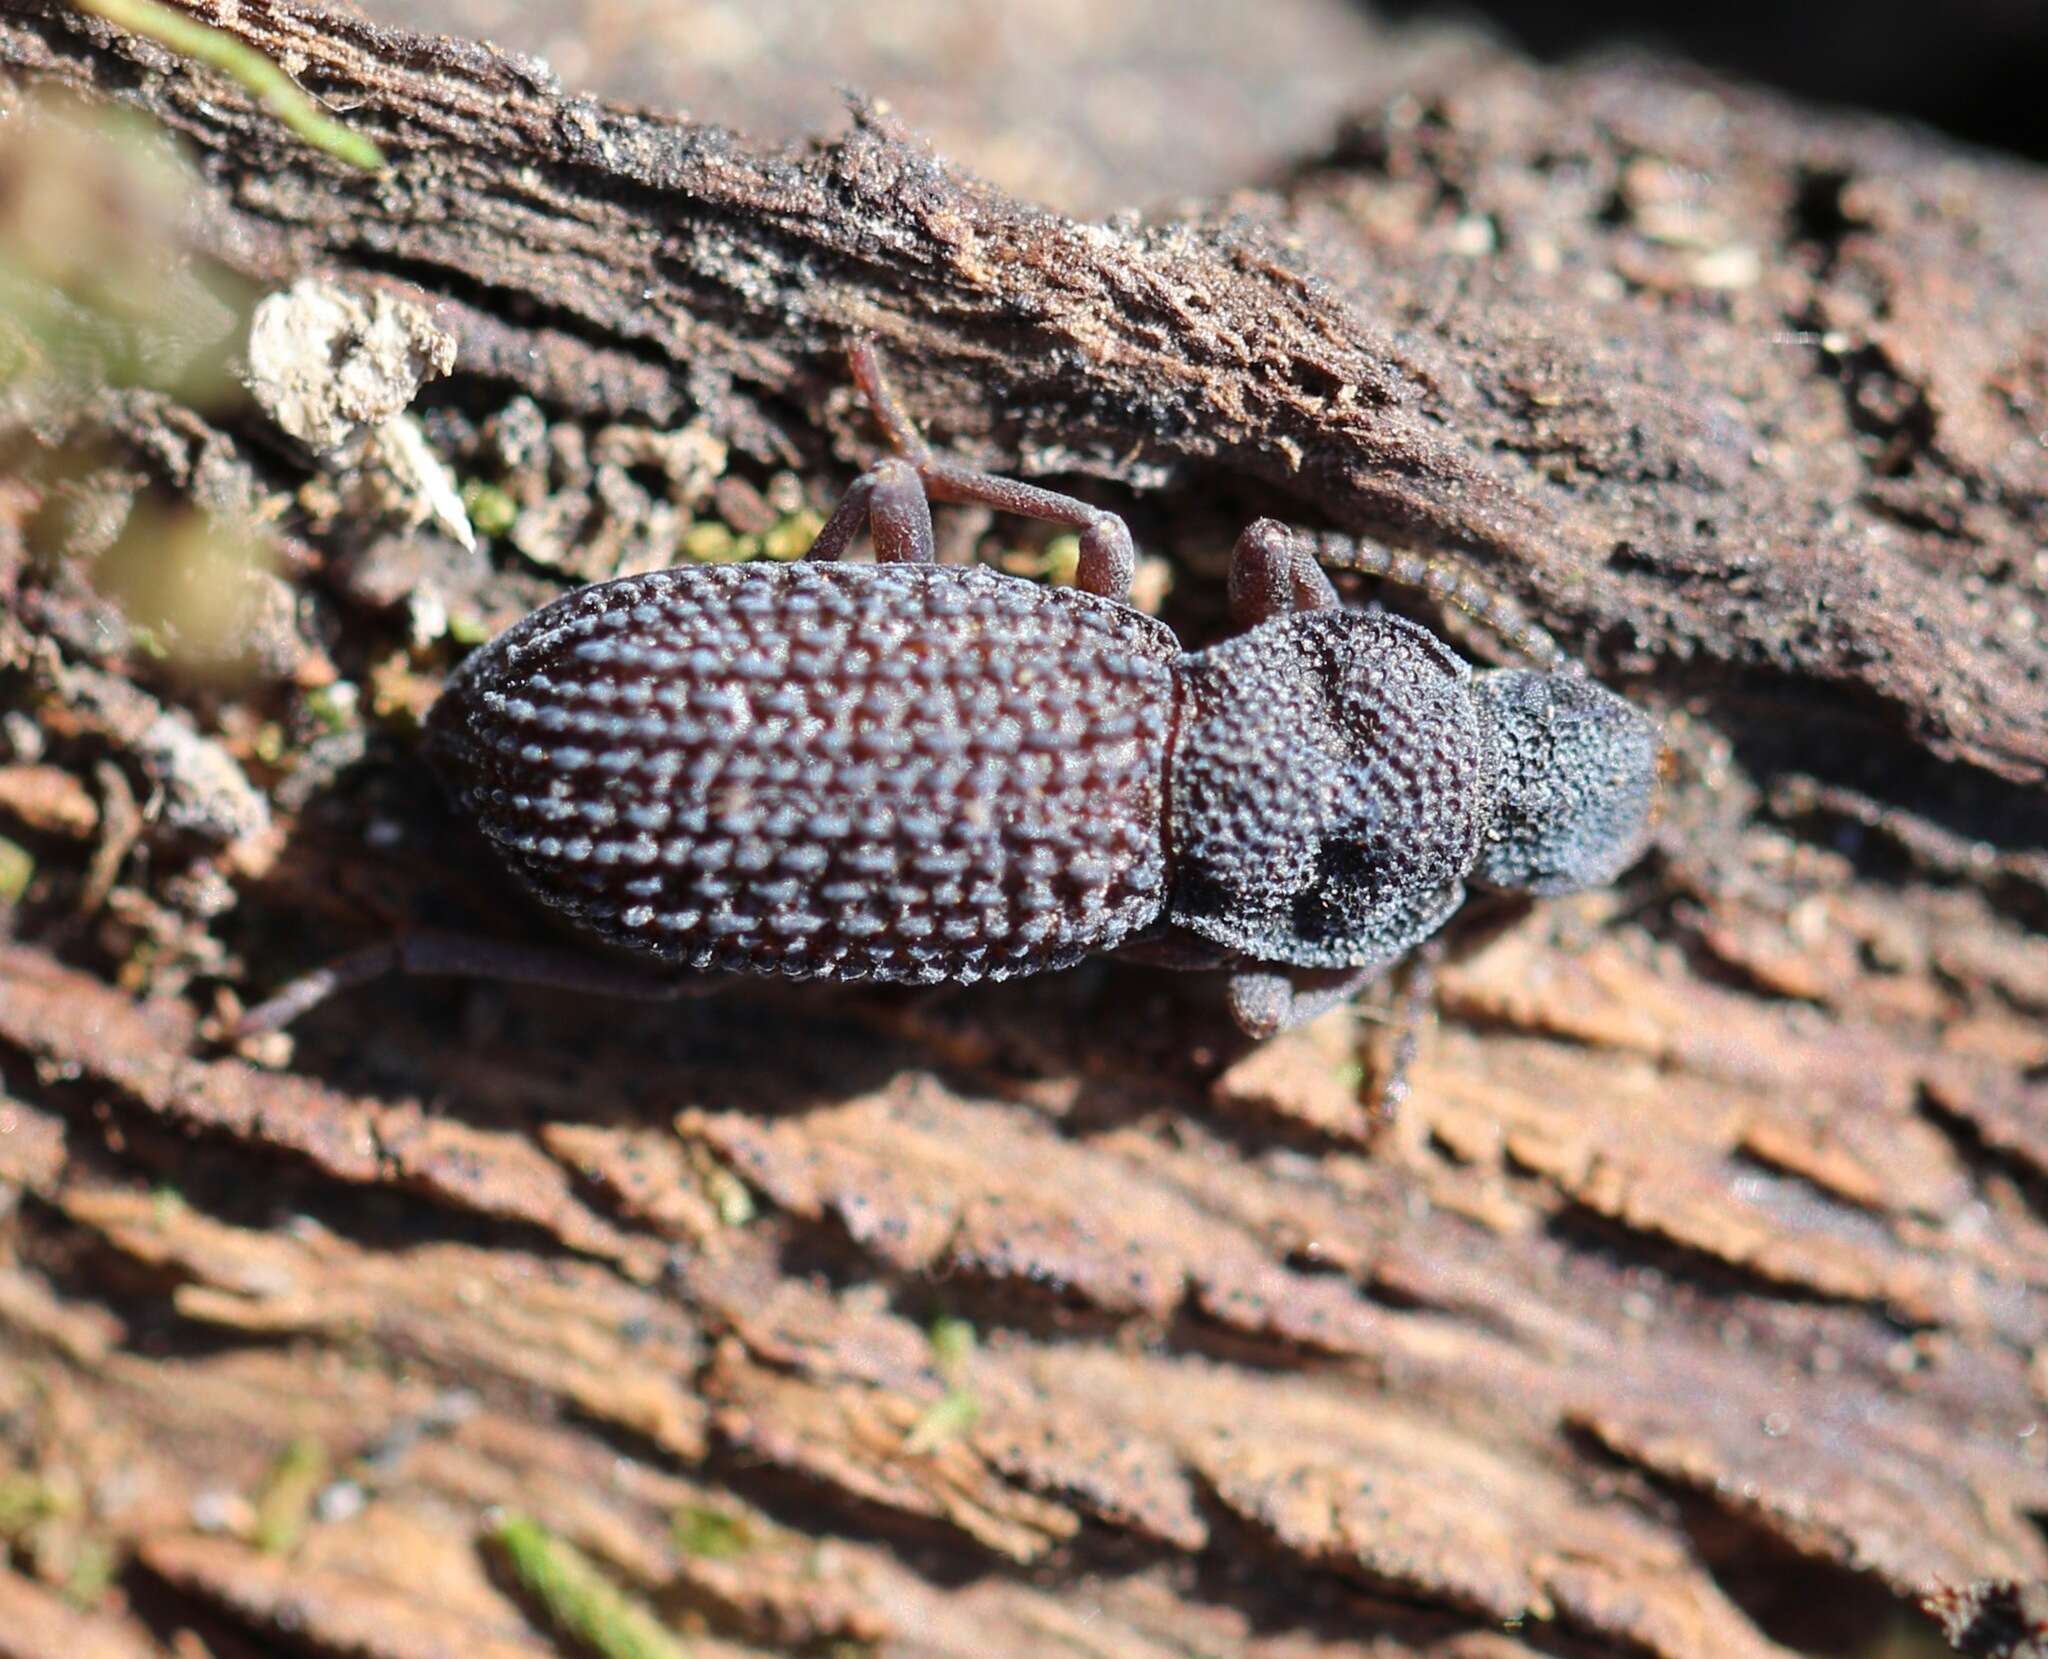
(341,1500)
(325,361)
(337,369)
(49,800)
(206,792)
(406,479)
(692,458)
(1730,267)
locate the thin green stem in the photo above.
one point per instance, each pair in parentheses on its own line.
(578,1599)
(269,85)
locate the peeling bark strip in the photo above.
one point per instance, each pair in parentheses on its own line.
(1697,1306)
(1784,413)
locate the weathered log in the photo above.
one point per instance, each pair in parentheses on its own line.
(1696,1305)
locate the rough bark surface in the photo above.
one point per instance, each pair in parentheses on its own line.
(1697,1303)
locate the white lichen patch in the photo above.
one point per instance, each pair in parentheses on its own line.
(326,361)
(337,370)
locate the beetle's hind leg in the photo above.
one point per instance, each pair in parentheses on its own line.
(1108,557)
(433,953)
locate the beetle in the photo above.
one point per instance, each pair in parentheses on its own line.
(926,773)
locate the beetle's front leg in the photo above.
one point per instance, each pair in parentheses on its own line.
(1265,1001)
(1444,581)
(1412,1009)
(1273,573)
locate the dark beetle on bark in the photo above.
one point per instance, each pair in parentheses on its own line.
(925,773)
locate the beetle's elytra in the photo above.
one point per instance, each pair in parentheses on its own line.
(917,772)
(898,772)
(913,772)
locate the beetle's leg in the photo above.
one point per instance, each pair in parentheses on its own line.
(1447,583)
(464,956)
(889,498)
(1264,1001)
(1273,573)
(1268,1000)
(1108,558)
(1412,1008)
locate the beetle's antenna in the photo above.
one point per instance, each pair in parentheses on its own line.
(1442,580)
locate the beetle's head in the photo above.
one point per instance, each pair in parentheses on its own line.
(1578,782)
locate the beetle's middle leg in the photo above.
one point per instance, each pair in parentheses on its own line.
(889,498)
(1274,573)
(1108,557)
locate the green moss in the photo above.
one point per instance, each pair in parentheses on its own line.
(953,1345)
(714,542)
(24,1501)
(791,537)
(467,629)
(287,1496)
(578,1600)
(1055,562)
(268,743)
(490,509)
(959,1408)
(1062,560)
(710,543)
(92,1572)
(17,870)
(728,1194)
(945,1419)
(334,709)
(714,1534)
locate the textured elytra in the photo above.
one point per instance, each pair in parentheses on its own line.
(896,772)
(1333,777)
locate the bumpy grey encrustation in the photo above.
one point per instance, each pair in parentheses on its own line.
(1331,786)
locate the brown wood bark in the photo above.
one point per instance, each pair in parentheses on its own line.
(1697,1304)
